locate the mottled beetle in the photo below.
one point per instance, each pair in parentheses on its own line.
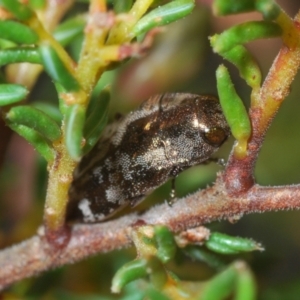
(167,134)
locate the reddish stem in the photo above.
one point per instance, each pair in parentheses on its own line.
(34,256)
(238,176)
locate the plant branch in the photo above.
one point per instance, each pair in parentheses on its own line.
(60,177)
(264,105)
(34,256)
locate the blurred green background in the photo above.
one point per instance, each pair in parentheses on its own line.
(181,61)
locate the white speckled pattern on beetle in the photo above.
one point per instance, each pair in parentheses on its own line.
(167,134)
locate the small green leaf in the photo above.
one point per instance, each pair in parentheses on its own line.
(166,246)
(269,9)
(4,44)
(121,6)
(17,32)
(15,55)
(220,248)
(218,241)
(246,64)
(35,139)
(49,109)
(96,120)
(153,294)
(223,8)
(74,130)
(245,285)
(131,271)
(56,68)
(220,286)
(11,93)
(37,4)
(69,30)
(93,138)
(21,11)
(163,15)
(209,258)
(244,33)
(34,119)
(157,272)
(234,110)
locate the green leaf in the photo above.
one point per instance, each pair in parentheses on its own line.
(223,8)
(244,33)
(19,10)
(121,6)
(220,286)
(246,64)
(163,15)
(200,254)
(11,93)
(69,30)
(153,294)
(220,242)
(233,107)
(34,119)
(49,109)
(35,139)
(4,44)
(15,55)
(74,130)
(245,285)
(269,9)
(131,271)
(37,4)
(166,246)
(222,249)
(56,68)
(17,32)
(157,272)
(96,120)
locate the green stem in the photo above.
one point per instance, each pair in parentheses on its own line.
(60,178)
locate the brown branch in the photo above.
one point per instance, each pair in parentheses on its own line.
(265,103)
(33,256)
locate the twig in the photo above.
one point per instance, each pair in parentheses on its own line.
(32,256)
(265,103)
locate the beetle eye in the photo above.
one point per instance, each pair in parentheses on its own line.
(215,136)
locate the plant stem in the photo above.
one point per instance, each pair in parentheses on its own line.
(95,36)
(32,256)
(60,177)
(265,103)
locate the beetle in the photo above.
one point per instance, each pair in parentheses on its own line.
(167,134)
